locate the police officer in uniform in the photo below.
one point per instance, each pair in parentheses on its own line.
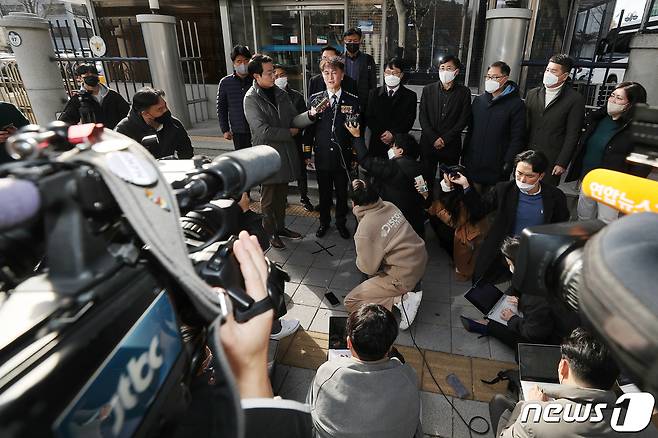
(332,145)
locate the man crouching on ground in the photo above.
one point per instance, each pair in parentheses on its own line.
(389,251)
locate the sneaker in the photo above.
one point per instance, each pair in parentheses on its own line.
(288,327)
(290,234)
(409,308)
(307,205)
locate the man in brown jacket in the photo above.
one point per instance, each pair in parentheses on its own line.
(387,249)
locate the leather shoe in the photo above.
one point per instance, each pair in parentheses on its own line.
(343,231)
(277,243)
(322,230)
(290,234)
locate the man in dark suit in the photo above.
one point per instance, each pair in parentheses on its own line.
(332,145)
(359,66)
(445,110)
(524,202)
(555,114)
(391,110)
(316,83)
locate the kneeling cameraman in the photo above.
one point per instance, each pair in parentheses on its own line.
(148,116)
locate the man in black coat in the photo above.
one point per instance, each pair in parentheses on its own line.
(332,146)
(555,113)
(149,115)
(359,66)
(316,83)
(527,201)
(391,110)
(230,96)
(298,101)
(497,129)
(11,119)
(445,110)
(94,102)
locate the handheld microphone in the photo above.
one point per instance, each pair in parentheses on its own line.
(20,200)
(623,192)
(230,175)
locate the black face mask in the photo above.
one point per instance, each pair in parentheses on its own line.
(163,118)
(352,47)
(92,81)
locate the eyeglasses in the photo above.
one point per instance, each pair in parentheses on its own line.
(495,78)
(617,97)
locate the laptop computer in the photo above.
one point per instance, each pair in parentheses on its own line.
(538,365)
(338,338)
(489,300)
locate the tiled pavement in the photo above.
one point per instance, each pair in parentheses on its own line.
(437,327)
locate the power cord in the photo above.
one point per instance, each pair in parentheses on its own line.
(469,424)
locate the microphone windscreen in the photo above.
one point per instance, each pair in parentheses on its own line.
(19,201)
(623,192)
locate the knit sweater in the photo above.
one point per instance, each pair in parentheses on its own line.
(386,242)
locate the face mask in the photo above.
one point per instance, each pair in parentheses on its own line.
(447,76)
(615,108)
(445,187)
(240,69)
(490,85)
(352,47)
(392,80)
(163,118)
(281,82)
(92,81)
(525,187)
(391,153)
(550,79)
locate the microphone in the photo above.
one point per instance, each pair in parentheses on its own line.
(230,175)
(623,192)
(20,200)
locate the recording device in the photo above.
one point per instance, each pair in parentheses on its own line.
(420,181)
(452,171)
(606,275)
(320,103)
(87,114)
(98,335)
(332,298)
(9,126)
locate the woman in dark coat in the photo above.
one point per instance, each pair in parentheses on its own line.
(605,144)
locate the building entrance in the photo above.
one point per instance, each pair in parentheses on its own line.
(294,34)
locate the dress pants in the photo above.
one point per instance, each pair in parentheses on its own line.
(241,141)
(302,181)
(328,181)
(380,289)
(273,205)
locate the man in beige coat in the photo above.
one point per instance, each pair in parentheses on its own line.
(387,249)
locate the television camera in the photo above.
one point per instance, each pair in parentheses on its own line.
(104,319)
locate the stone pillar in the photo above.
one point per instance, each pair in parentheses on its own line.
(33,48)
(643,64)
(507,29)
(159,32)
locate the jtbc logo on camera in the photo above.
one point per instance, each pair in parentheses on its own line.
(638,412)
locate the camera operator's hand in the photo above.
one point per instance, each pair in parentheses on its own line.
(246,344)
(354,129)
(460,179)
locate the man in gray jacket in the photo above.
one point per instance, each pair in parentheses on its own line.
(273,121)
(371,394)
(554,117)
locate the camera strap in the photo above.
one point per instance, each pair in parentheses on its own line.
(150,207)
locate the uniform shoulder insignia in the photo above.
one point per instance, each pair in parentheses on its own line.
(350,94)
(317,94)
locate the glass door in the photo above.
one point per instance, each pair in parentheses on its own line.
(293,36)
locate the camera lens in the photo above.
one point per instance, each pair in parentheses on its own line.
(570,277)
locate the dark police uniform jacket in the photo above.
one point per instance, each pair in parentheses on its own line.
(326,140)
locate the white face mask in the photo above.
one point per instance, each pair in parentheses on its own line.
(281,82)
(615,108)
(447,76)
(391,153)
(446,187)
(240,69)
(525,187)
(550,79)
(392,80)
(490,85)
